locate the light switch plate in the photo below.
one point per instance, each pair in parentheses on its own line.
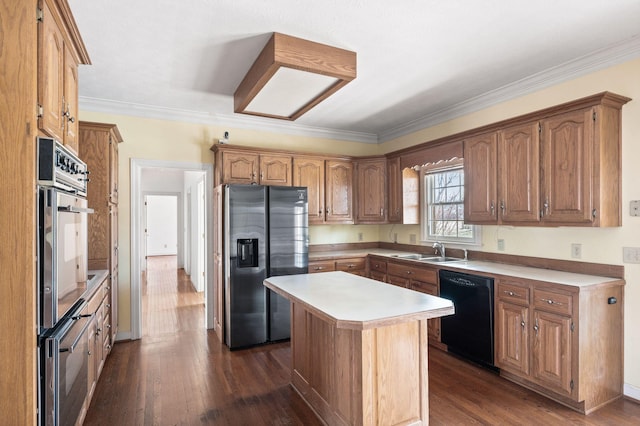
(634,208)
(501,244)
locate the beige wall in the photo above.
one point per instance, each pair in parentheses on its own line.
(178,141)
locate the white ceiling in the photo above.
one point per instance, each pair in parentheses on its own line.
(420,62)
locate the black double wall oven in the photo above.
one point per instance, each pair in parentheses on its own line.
(63,317)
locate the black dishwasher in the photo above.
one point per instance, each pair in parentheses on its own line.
(469,332)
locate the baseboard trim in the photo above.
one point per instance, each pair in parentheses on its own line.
(631,392)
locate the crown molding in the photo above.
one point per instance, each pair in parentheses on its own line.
(234,121)
(595,61)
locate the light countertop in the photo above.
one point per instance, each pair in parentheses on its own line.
(354,302)
(482,267)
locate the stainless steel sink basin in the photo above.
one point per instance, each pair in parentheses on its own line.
(439,259)
(409,256)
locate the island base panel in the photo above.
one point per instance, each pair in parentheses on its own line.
(376,376)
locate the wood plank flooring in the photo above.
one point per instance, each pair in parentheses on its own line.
(179,374)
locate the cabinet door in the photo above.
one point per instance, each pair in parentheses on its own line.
(512,337)
(566,146)
(50,75)
(218,271)
(309,172)
(552,351)
(480,173)
(339,191)
(518,175)
(394,181)
(275,170)
(70,115)
(240,167)
(371,189)
(113,170)
(399,281)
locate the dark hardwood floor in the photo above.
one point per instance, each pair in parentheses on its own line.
(179,374)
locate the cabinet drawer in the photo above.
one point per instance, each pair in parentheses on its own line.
(378,265)
(421,274)
(351,265)
(511,292)
(552,301)
(322,266)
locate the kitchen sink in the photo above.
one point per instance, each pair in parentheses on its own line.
(426,258)
(439,259)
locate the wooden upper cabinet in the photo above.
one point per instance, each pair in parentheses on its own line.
(394,190)
(240,167)
(247,167)
(310,172)
(113,168)
(371,190)
(60,52)
(480,174)
(339,191)
(518,174)
(275,170)
(70,100)
(51,70)
(568,165)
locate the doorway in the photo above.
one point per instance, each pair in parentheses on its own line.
(191,186)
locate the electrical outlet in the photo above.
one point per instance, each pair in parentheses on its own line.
(395,237)
(576,251)
(501,244)
(631,254)
(412,238)
(360,238)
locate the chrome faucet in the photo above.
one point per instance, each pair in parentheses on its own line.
(439,247)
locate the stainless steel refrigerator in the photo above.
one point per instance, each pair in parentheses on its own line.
(265,233)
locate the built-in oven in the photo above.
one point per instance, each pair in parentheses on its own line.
(65,366)
(62,283)
(63,253)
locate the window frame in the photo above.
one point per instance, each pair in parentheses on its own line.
(425,193)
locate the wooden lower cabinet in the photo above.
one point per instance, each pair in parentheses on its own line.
(355,265)
(565,342)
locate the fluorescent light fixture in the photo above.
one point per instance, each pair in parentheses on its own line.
(291,76)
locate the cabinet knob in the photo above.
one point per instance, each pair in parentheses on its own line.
(522,324)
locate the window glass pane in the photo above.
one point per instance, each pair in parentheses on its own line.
(444,212)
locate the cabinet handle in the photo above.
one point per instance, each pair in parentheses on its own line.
(535,327)
(318,268)
(522,324)
(551,302)
(327,211)
(511,293)
(546,206)
(382,212)
(320,212)
(502,207)
(108,305)
(493,208)
(351,265)
(109,326)
(409,272)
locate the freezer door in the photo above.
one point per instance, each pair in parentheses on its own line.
(288,249)
(245,266)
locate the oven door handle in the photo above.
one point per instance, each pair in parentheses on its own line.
(72,209)
(81,335)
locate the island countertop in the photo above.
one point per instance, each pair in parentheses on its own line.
(354,302)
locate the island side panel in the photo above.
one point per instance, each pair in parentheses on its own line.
(361,377)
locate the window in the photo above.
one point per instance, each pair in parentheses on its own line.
(443,207)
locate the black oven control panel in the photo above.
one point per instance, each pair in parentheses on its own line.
(60,168)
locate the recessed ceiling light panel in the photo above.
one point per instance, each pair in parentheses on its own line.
(292,75)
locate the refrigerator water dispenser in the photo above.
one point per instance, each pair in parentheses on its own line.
(247,253)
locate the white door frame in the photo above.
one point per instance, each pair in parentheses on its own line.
(137,201)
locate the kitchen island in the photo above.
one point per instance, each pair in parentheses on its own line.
(359,347)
